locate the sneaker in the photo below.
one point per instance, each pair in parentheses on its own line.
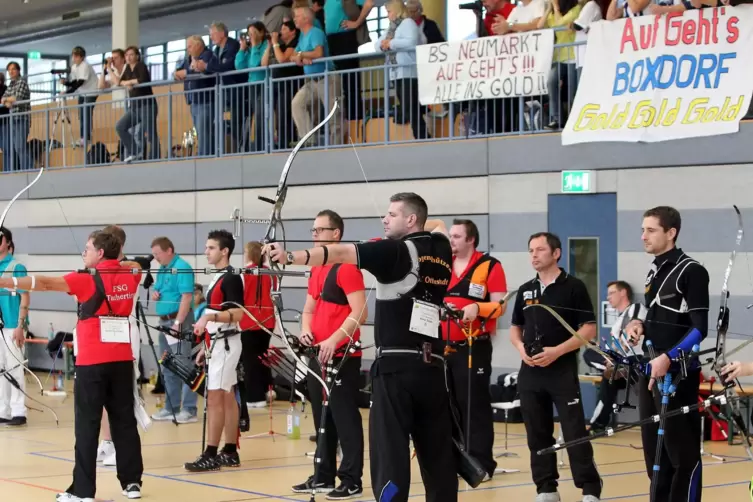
(227,459)
(105,449)
(16,422)
(309,485)
(184,417)
(202,463)
(69,497)
(163,415)
(548,497)
(133,491)
(346,490)
(110,460)
(590,498)
(257,404)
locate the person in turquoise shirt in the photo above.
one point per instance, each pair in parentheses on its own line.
(14,309)
(173,296)
(199,301)
(312,46)
(254,49)
(335,19)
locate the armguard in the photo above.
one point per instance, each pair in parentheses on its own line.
(692,339)
(489,310)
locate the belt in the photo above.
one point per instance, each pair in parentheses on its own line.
(480,338)
(400,351)
(169,316)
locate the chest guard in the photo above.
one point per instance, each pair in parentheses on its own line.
(331,292)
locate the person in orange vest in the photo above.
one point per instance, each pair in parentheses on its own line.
(477,286)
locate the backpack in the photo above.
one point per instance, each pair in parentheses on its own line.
(97,154)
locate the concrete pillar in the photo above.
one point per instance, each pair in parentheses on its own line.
(125,23)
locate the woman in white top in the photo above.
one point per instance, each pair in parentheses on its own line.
(83,81)
(403,36)
(590,13)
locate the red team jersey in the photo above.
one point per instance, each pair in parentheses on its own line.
(121,289)
(329,316)
(471,286)
(257,299)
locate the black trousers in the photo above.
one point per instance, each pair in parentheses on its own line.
(258,377)
(607,396)
(343,422)
(341,44)
(86,116)
(481,440)
(537,395)
(410,110)
(412,403)
(680,468)
(108,386)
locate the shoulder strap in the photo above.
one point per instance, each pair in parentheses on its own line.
(100,286)
(10,268)
(331,291)
(483,267)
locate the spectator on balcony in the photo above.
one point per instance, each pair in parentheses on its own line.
(666,6)
(589,14)
(285,86)
(276,15)
(318,7)
(429,28)
(112,67)
(83,81)
(199,91)
(345,26)
(234,98)
(403,36)
(5,129)
(16,98)
(253,47)
(524,17)
(313,45)
(563,77)
(494,10)
(627,8)
(142,109)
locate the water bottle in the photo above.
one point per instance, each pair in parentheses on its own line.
(159,402)
(51,333)
(60,381)
(294,423)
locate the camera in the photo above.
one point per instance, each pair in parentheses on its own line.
(475,6)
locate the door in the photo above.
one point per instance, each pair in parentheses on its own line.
(587,226)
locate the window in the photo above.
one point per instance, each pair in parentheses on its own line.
(377,22)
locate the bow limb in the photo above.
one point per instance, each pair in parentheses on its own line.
(283,337)
(570,330)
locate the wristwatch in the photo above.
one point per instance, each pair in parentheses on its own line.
(289,256)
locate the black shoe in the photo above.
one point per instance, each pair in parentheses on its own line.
(226,459)
(133,491)
(202,464)
(346,490)
(16,422)
(309,484)
(312,438)
(4,420)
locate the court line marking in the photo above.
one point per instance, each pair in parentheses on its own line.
(42,487)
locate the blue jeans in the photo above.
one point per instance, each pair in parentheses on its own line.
(175,389)
(203,119)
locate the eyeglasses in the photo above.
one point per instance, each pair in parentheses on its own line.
(318,230)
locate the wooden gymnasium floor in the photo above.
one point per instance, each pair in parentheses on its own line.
(37,460)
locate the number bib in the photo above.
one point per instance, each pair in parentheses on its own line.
(114,330)
(425,319)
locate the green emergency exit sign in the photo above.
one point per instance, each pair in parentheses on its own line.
(577,181)
(34,55)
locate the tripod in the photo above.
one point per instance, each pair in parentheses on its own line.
(141,318)
(62,112)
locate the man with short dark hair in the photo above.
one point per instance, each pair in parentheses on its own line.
(477,287)
(104,362)
(334,311)
(222,355)
(412,268)
(173,303)
(620,297)
(677,299)
(549,372)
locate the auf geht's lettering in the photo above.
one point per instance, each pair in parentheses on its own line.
(667,71)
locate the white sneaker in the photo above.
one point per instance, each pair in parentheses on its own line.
(590,498)
(105,449)
(109,461)
(163,415)
(133,491)
(68,497)
(548,497)
(257,404)
(184,417)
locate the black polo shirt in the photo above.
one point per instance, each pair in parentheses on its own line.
(568,296)
(687,290)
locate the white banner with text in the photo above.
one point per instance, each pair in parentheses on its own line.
(658,78)
(505,66)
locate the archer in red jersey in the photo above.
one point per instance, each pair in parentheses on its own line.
(334,311)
